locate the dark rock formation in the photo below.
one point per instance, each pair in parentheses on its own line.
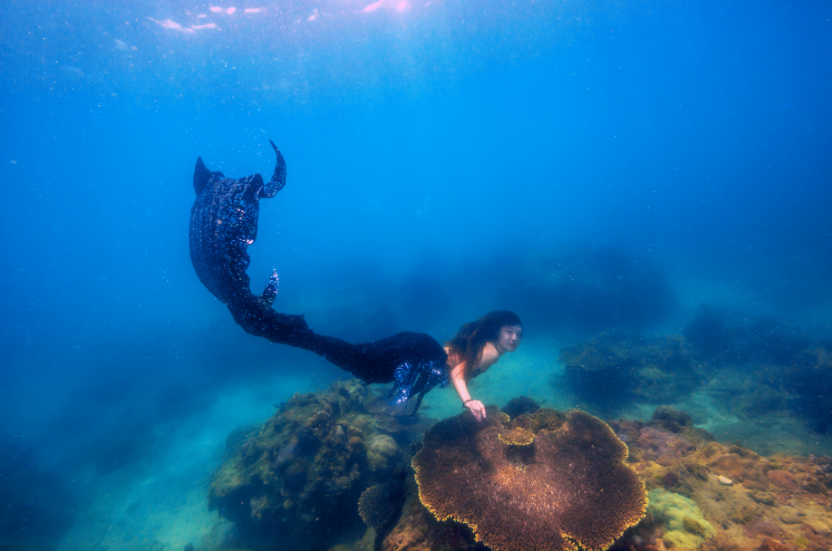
(616,366)
(298,478)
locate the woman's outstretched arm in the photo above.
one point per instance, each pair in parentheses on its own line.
(460,384)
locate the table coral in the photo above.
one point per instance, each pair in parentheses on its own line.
(569,487)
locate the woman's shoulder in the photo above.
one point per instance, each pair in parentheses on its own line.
(489,354)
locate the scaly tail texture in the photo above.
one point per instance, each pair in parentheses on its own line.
(224,224)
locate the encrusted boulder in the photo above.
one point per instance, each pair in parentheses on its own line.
(298,477)
(682,520)
(630,367)
(381,504)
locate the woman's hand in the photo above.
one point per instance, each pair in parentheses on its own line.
(477,409)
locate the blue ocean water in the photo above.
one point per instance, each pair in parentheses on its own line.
(589,165)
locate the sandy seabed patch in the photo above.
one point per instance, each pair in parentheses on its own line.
(162,502)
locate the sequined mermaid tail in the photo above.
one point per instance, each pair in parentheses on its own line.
(224,224)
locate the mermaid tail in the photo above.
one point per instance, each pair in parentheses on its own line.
(224,224)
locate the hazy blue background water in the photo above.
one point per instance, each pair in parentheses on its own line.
(586,164)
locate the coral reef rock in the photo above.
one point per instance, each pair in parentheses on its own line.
(631,368)
(297,479)
(519,406)
(568,487)
(777,503)
(773,503)
(379,505)
(686,528)
(796,369)
(418,530)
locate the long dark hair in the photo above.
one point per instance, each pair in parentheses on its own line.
(472,337)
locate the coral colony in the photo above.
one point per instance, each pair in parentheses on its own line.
(540,480)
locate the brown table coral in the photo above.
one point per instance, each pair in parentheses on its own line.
(569,487)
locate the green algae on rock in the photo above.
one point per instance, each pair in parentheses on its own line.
(686,528)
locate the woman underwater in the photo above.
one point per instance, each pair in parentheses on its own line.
(223,225)
(477,346)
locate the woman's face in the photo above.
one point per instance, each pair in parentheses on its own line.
(509,338)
